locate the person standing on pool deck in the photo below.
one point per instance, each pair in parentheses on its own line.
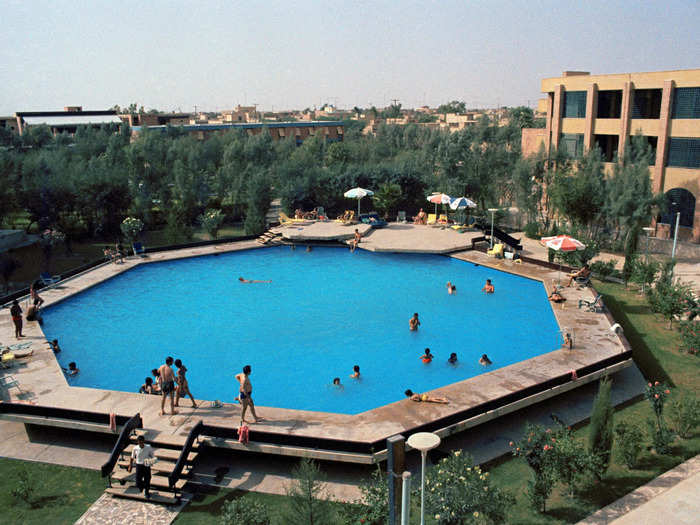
(166,379)
(16,313)
(245,393)
(183,388)
(413,323)
(488,287)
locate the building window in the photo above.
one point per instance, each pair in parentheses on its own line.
(684,153)
(686,103)
(609,104)
(572,144)
(608,144)
(574,104)
(652,142)
(646,103)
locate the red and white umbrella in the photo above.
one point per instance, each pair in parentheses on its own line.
(562,243)
(439,198)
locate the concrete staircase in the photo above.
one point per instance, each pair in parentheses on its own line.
(160,492)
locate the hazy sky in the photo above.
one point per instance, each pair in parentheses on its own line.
(173,55)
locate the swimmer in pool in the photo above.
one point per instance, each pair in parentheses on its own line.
(488,287)
(413,323)
(336,381)
(356,372)
(453,359)
(451,288)
(248,281)
(425,398)
(485,361)
(426,357)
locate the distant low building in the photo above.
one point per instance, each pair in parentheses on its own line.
(66,121)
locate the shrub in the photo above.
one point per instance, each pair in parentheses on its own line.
(306,503)
(644,272)
(570,460)
(373,506)
(600,437)
(244,511)
(629,440)
(532,230)
(211,221)
(25,487)
(684,415)
(690,336)
(661,436)
(131,227)
(670,299)
(457,492)
(603,269)
(536,447)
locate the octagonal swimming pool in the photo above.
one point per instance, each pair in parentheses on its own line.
(324,311)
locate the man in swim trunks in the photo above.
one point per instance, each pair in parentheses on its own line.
(356,240)
(425,398)
(16,313)
(413,323)
(245,394)
(166,379)
(488,287)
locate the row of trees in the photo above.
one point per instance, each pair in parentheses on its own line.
(86,184)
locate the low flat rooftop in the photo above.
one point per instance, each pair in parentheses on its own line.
(43,382)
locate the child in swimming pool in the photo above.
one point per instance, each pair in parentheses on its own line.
(355,374)
(427,357)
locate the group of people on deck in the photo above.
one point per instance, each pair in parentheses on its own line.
(168,384)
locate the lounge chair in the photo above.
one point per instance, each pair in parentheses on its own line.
(285,220)
(401,217)
(443,219)
(496,251)
(432,219)
(596,305)
(9,382)
(583,281)
(321,212)
(347,217)
(47,279)
(139,249)
(7,360)
(372,219)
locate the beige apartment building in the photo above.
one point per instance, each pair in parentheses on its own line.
(604,111)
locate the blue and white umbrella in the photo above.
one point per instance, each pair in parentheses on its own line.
(462,202)
(358,193)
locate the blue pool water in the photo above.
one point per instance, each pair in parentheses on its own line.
(325,311)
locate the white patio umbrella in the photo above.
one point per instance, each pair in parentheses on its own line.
(562,243)
(460,203)
(358,193)
(439,198)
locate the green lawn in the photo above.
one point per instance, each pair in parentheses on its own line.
(656,353)
(61,495)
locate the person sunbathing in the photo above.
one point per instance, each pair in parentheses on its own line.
(584,272)
(556,297)
(425,398)
(298,213)
(421,218)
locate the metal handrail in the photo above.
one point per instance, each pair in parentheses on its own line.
(186,449)
(120,445)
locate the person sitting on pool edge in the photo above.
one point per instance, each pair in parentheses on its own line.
(356,240)
(426,357)
(485,361)
(488,287)
(413,323)
(453,359)
(425,398)
(147,387)
(451,288)
(356,372)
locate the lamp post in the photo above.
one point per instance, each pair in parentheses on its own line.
(675,235)
(493,211)
(423,441)
(647,230)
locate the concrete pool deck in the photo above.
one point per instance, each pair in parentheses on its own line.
(43,383)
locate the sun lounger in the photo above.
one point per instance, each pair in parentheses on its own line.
(9,382)
(373,219)
(347,217)
(401,217)
(432,219)
(47,279)
(496,251)
(596,305)
(442,219)
(139,249)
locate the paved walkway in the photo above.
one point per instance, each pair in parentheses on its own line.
(672,498)
(108,511)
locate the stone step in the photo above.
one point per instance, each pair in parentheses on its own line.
(158,481)
(161,468)
(163,454)
(131,492)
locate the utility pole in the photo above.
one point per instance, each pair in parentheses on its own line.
(394,101)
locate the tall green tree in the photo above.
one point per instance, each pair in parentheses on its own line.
(601,428)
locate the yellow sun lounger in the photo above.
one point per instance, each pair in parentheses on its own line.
(286,220)
(432,218)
